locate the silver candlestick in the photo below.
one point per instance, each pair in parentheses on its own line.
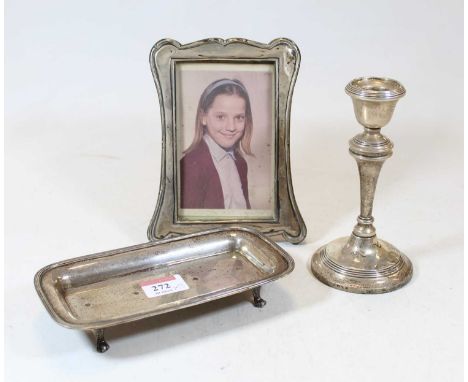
(362,263)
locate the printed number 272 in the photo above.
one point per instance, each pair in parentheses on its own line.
(160,287)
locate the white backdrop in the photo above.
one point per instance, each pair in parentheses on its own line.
(82,146)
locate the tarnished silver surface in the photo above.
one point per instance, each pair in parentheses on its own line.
(102,290)
(362,263)
(284,54)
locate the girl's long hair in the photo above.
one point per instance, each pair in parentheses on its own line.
(229,87)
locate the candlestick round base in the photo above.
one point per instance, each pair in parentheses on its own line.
(361,265)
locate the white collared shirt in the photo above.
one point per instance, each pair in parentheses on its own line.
(225,164)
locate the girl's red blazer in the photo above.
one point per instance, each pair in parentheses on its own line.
(200,184)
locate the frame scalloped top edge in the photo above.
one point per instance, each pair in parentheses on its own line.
(216,40)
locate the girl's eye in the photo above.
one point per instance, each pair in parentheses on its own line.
(240,118)
(220,117)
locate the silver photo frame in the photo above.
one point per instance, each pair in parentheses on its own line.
(225,112)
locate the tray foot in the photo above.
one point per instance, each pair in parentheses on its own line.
(101,345)
(258,302)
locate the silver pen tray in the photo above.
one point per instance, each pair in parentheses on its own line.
(110,288)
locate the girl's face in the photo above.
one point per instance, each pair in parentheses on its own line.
(225,120)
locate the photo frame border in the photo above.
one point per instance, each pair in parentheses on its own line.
(288,224)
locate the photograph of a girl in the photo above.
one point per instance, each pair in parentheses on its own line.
(213,169)
(219,168)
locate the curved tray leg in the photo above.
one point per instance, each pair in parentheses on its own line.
(258,302)
(101,345)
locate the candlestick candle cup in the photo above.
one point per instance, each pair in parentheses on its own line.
(362,263)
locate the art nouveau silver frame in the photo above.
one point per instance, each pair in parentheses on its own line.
(287,223)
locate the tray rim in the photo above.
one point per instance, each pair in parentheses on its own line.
(113,322)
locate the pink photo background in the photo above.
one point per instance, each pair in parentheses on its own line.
(192,79)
